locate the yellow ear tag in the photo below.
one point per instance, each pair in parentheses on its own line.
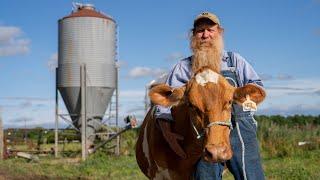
(249,105)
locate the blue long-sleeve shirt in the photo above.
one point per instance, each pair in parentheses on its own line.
(182,72)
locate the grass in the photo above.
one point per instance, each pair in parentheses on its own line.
(282,157)
(278,140)
(103,166)
(98,166)
(294,168)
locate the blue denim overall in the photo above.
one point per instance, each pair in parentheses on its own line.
(245,162)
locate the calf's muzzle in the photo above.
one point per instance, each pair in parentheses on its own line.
(217,153)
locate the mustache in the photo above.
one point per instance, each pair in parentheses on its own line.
(205,42)
(197,44)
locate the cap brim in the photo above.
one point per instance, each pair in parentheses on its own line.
(201,18)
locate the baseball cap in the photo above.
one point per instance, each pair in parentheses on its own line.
(207,15)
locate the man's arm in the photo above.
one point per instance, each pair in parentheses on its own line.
(246,72)
(177,77)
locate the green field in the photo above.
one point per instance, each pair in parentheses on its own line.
(283,158)
(101,166)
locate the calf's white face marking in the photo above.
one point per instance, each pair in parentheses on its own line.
(207,76)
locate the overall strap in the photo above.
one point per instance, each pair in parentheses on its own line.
(232,68)
(231,62)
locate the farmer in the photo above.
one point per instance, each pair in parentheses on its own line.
(208,50)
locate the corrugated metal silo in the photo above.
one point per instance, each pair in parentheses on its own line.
(87,37)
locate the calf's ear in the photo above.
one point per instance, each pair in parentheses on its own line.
(164,95)
(255,92)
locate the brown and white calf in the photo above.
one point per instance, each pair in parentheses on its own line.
(203,105)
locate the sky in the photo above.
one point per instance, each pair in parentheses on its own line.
(280,39)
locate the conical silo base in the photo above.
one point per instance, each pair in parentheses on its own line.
(97,99)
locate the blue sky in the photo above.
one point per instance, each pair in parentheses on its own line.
(281,39)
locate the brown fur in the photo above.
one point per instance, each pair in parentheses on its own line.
(257,94)
(164,95)
(160,153)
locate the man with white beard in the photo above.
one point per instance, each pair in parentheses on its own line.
(208,50)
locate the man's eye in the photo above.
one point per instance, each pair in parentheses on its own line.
(200,31)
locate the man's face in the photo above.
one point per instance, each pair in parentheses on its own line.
(205,33)
(207,45)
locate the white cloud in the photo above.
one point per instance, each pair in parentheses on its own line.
(284,77)
(36,112)
(306,109)
(11,42)
(280,87)
(138,72)
(296,96)
(26,98)
(265,77)
(52,62)
(41,111)
(32,122)
(268,77)
(19,122)
(131,93)
(26,104)
(7,33)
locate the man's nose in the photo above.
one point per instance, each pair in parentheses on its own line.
(205,34)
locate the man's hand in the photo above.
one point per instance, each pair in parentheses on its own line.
(171,138)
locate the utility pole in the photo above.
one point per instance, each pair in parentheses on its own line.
(56,139)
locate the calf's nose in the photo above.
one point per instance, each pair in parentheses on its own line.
(217,153)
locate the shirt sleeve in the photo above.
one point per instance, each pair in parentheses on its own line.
(177,77)
(246,72)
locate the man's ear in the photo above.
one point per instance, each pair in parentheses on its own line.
(164,95)
(255,92)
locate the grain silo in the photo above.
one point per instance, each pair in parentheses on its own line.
(87,38)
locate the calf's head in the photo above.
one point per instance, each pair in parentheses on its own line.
(209,98)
